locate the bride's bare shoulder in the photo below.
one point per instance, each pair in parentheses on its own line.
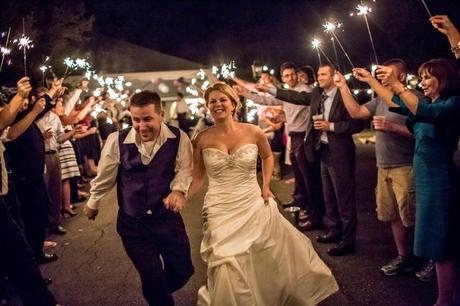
(203,137)
(250,128)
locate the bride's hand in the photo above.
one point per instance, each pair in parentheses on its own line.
(266,194)
(175,201)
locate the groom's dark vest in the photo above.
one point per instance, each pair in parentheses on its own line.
(142,188)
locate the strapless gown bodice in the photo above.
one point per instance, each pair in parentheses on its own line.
(254,255)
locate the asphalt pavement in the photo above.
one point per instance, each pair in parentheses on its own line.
(93,268)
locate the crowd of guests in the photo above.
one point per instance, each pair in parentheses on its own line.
(52,139)
(51,142)
(417,134)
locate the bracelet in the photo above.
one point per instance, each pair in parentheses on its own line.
(402,91)
(456,49)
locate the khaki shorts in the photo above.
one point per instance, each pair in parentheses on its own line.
(395,195)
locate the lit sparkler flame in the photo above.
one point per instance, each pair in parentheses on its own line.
(361,10)
(24,42)
(225,70)
(5,51)
(315,43)
(330,27)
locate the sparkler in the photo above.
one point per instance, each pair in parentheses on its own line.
(43,68)
(363,10)
(201,74)
(335,51)
(330,28)
(426,8)
(75,64)
(316,44)
(225,71)
(4,49)
(24,43)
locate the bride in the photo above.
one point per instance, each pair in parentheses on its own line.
(254,256)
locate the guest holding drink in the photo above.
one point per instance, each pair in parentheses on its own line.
(394,149)
(434,122)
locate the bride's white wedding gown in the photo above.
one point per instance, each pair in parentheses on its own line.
(253,254)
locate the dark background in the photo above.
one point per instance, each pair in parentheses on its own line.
(212,32)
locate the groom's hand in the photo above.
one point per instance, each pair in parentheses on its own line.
(90,213)
(175,201)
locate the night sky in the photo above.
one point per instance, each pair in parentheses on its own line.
(211,32)
(272,32)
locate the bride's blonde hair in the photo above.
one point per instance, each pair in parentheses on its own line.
(229,92)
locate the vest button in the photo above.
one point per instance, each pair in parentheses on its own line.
(149,212)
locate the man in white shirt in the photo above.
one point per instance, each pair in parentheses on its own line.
(181,111)
(151,165)
(53,134)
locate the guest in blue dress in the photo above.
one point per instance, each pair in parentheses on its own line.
(434,121)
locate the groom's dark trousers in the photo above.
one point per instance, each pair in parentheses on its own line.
(154,237)
(148,238)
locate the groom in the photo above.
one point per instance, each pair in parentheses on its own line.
(151,165)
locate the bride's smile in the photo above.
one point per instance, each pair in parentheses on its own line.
(220,105)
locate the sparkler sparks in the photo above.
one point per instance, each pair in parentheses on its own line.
(77,63)
(361,10)
(330,27)
(5,50)
(24,42)
(315,43)
(225,71)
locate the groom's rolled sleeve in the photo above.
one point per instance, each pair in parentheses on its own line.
(184,165)
(107,171)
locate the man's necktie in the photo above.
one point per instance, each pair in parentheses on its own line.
(321,111)
(321,104)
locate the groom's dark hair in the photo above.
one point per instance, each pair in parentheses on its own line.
(145,98)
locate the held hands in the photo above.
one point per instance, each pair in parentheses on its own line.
(321,125)
(175,201)
(266,194)
(90,213)
(24,87)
